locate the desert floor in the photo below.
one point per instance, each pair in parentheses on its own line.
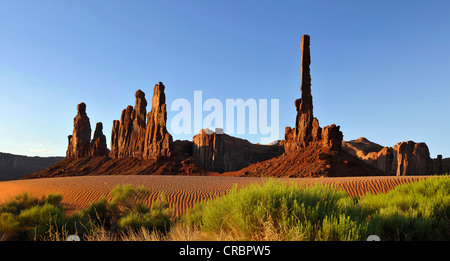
(182,191)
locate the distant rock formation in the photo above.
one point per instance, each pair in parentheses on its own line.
(307,129)
(371,153)
(98,143)
(219,152)
(311,151)
(413,158)
(128,134)
(438,165)
(79,141)
(80,144)
(157,139)
(404,158)
(141,145)
(17,166)
(139,134)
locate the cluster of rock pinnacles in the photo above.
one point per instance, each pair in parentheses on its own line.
(144,135)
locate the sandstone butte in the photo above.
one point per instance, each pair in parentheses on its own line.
(141,145)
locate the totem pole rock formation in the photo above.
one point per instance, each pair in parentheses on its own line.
(98,143)
(139,135)
(157,139)
(80,144)
(79,141)
(128,134)
(307,129)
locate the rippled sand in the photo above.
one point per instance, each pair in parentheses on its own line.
(182,191)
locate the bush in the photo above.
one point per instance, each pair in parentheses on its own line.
(126,210)
(288,210)
(27,217)
(417,211)
(8,223)
(158,217)
(99,212)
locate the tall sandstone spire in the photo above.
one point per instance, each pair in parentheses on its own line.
(307,129)
(127,136)
(304,105)
(157,139)
(79,141)
(98,143)
(80,144)
(142,135)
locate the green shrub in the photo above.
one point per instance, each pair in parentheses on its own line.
(99,212)
(40,214)
(342,228)
(416,211)
(284,208)
(157,217)
(54,199)
(8,223)
(27,217)
(19,203)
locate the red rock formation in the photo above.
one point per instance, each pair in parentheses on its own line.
(438,165)
(307,129)
(128,134)
(314,160)
(142,145)
(157,139)
(139,135)
(404,158)
(413,158)
(208,150)
(115,139)
(371,153)
(98,143)
(219,152)
(332,137)
(79,141)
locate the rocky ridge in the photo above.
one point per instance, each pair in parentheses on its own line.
(404,158)
(141,145)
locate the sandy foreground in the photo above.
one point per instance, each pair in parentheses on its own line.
(182,191)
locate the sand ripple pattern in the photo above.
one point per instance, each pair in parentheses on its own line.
(182,191)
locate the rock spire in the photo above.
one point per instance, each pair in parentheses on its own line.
(307,129)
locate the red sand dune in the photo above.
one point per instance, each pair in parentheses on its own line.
(182,191)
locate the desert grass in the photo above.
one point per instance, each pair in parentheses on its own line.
(273,210)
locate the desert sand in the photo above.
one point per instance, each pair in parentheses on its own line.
(182,191)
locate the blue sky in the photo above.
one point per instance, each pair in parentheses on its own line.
(380,69)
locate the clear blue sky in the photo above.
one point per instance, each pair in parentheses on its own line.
(380,69)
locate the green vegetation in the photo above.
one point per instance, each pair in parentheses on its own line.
(269,211)
(26,217)
(275,210)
